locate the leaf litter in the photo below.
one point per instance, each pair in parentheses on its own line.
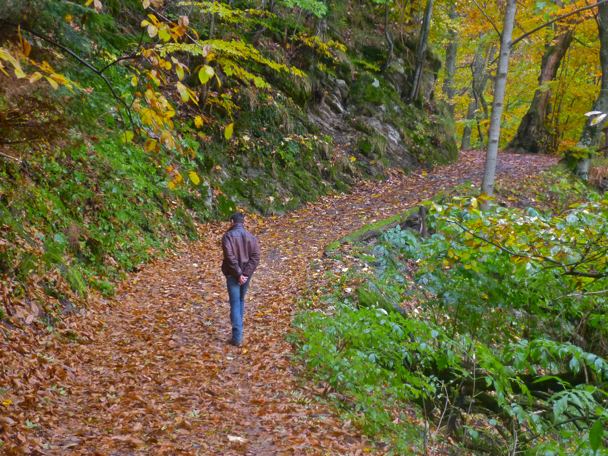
(150,372)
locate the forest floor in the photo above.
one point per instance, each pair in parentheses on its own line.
(149,371)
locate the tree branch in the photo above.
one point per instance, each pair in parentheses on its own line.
(557,19)
(10,157)
(569,269)
(583,294)
(488,18)
(505,249)
(591,275)
(132,55)
(165,18)
(82,62)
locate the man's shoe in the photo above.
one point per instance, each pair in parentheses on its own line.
(235,344)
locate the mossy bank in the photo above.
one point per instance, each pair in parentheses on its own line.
(81,202)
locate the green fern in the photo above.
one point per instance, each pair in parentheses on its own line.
(315,7)
(250,17)
(232,57)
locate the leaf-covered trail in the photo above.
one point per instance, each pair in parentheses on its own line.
(154,374)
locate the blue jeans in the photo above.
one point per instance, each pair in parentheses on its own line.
(236,295)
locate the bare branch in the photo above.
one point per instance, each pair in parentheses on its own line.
(10,157)
(587,293)
(132,55)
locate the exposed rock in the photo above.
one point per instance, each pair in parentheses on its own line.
(67,306)
(370,121)
(342,87)
(396,73)
(334,102)
(388,131)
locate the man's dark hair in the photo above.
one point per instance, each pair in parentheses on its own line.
(237,217)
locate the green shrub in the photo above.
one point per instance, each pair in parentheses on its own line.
(509,327)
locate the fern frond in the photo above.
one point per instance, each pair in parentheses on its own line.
(237,51)
(250,17)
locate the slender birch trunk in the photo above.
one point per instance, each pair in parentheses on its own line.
(487,187)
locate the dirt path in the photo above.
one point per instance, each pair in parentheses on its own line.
(154,374)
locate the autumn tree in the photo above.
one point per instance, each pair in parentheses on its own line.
(421,50)
(478,106)
(533,134)
(500,83)
(451,54)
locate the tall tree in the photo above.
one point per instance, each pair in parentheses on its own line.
(534,134)
(479,80)
(591,134)
(500,84)
(388,36)
(451,52)
(421,50)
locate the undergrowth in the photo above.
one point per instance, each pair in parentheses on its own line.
(492,331)
(91,211)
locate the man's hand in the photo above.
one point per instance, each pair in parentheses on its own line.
(243,279)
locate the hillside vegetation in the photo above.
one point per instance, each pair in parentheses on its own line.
(491,330)
(117,136)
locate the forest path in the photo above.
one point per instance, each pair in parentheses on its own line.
(155,375)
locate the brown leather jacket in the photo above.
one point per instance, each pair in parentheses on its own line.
(241,252)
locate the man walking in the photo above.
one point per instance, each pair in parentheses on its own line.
(241,258)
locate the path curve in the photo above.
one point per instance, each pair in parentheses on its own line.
(154,375)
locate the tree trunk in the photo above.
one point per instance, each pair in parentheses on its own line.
(321,29)
(212,24)
(421,50)
(451,51)
(533,134)
(591,135)
(388,37)
(466,132)
(480,78)
(500,84)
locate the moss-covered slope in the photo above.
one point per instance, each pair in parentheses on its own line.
(79,205)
